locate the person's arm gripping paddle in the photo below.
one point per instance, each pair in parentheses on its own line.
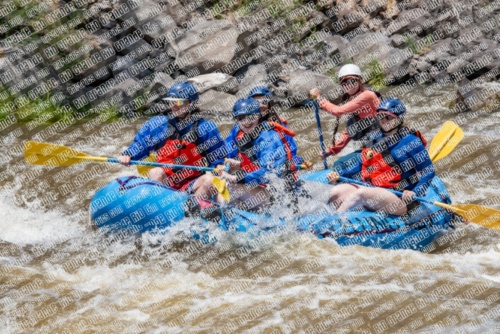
(364,105)
(340,143)
(150,137)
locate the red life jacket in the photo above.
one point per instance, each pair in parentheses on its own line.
(381,169)
(247,163)
(181,150)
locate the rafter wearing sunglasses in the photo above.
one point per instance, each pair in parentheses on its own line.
(250,118)
(171,101)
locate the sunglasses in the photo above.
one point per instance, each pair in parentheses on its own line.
(251,117)
(386,116)
(262,99)
(349,82)
(172,101)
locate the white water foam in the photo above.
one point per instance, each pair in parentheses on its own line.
(31,225)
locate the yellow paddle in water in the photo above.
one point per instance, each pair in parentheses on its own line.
(54,155)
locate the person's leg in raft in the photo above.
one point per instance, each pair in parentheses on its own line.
(374,199)
(157,174)
(250,198)
(204,188)
(340,192)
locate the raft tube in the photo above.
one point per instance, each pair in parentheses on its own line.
(140,205)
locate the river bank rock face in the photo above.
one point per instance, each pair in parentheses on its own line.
(232,48)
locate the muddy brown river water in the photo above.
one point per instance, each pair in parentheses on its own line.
(60,275)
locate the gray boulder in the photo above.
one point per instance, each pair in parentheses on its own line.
(98,46)
(255,76)
(208,46)
(394,63)
(440,50)
(11,69)
(319,19)
(373,7)
(335,44)
(478,95)
(25,72)
(408,20)
(160,83)
(152,17)
(349,18)
(477,48)
(205,82)
(122,64)
(365,46)
(418,65)
(302,81)
(216,101)
(141,49)
(156,21)
(398,41)
(447,66)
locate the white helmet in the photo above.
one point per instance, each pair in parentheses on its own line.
(349,69)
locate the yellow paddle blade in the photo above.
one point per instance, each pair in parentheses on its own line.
(46,154)
(481,215)
(144,170)
(221,187)
(478,214)
(445,141)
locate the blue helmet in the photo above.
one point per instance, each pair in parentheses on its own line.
(260,90)
(394,106)
(246,106)
(183,90)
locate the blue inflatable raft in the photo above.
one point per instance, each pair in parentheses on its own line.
(138,205)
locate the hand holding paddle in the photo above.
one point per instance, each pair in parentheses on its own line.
(124,160)
(314,93)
